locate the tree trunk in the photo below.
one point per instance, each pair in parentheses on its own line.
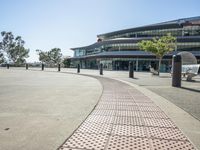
(159,65)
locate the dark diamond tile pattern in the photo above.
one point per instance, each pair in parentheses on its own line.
(167,123)
(97,128)
(158,144)
(126,130)
(86,141)
(126,119)
(127,113)
(154,109)
(108,106)
(100,119)
(65,148)
(154,115)
(166,133)
(103,112)
(134,121)
(128,143)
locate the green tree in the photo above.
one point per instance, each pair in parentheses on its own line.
(52,57)
(55,55)
(14,48)
(6,44)
(159,46)
(66,62)
(18,53)
(43,56)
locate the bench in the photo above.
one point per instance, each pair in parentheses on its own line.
(153,71)
(190,71)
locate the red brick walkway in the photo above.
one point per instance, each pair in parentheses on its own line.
(125,119)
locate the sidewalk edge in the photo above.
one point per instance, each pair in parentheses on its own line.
(184,121)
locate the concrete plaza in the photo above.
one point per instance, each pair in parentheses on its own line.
(179,104)
(39,110)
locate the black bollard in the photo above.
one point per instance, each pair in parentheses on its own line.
(176,71)
(78,68)
(8,66)
(26,66)
(58,67)
(101,69)
(131,73)
(42,67)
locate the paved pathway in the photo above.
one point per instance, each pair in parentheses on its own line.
(126,119)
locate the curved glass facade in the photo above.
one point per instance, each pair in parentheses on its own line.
(116,49)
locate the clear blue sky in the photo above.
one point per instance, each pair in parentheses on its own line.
(45,24)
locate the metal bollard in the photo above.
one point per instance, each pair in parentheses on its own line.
(8,66)
(26,66)
(58,67)
(131,73)
(78,68)
(176,71)
(42,67)
(101,69)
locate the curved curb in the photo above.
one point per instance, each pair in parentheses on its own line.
(86,116)
(181,118)
(121,116)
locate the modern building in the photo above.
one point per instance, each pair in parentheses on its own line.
(116,49)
